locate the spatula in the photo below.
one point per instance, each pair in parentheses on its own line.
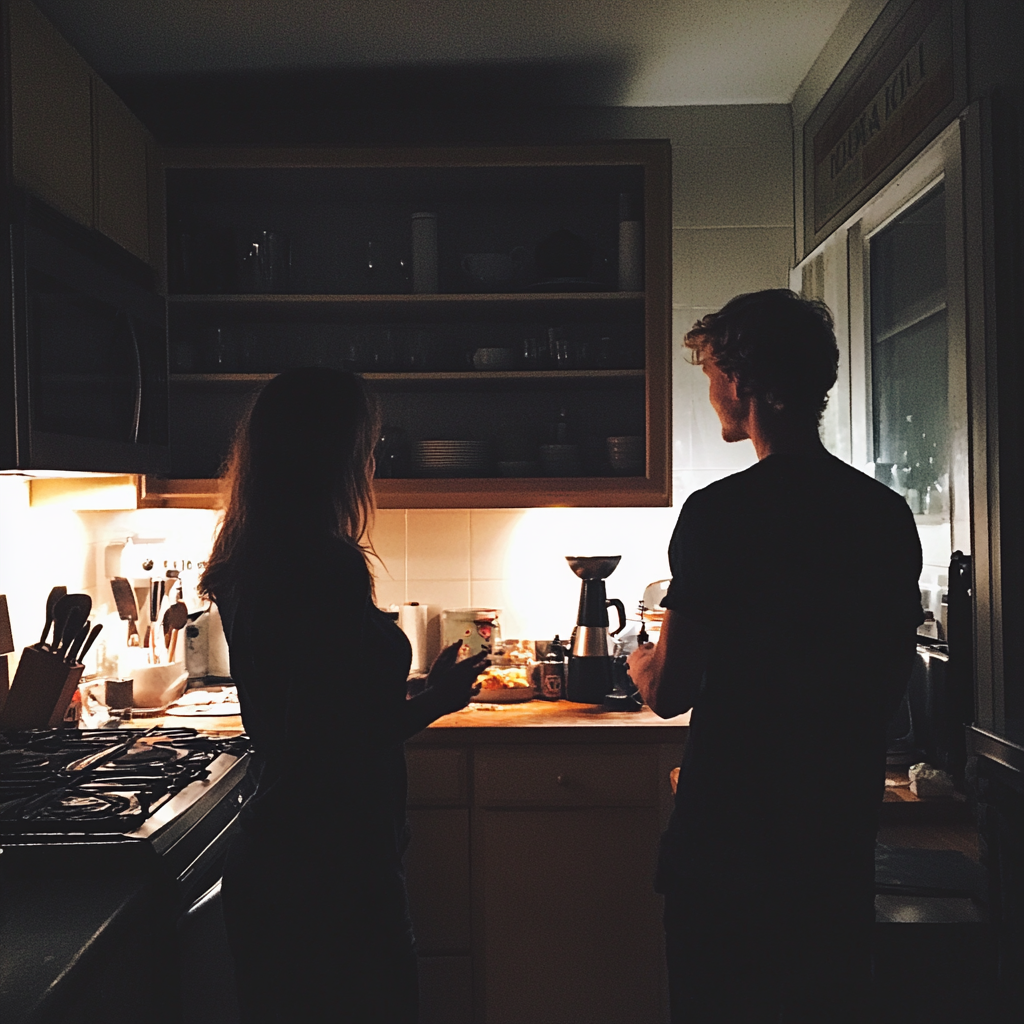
(51,603)
(127,609)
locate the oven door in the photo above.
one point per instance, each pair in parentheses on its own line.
(92,333)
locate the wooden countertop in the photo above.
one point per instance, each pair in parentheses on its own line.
(552,722)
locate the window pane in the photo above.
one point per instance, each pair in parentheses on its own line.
(910,385)
(909,373)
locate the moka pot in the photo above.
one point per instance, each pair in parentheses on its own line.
(590,665)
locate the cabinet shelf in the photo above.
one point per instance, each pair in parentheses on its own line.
(445,307)
(555,377)
(304,298)
(441,492)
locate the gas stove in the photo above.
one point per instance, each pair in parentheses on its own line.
(160,799)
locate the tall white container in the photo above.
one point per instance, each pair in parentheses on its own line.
(631,260)
(424,253)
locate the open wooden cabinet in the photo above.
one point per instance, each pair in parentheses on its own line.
(507,350)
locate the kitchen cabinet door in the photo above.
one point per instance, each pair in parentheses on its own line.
(121,194)
(570,925)
(437,876)
(50,114)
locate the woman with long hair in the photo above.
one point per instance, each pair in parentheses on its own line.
(314,891)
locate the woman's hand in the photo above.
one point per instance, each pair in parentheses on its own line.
(450,684)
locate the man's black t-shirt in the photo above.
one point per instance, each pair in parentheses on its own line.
(802,568)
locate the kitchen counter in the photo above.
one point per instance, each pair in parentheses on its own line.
(98,946)
(540,721)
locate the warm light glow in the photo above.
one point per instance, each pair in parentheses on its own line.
(104,493)
(543,592)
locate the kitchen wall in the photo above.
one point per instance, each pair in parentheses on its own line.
(732,232)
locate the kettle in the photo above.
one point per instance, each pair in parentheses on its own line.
(590,665)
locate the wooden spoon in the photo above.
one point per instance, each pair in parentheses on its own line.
(175,618)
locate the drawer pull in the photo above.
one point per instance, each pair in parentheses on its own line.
(562,780)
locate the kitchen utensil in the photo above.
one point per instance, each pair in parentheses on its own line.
(90,640)
(73,624)
(6,646)
(174,618)
(6,638)
(590,665)
(71,656)
(127,609)
(41,690)
(51,603)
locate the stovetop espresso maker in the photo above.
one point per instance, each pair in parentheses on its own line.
(590,665)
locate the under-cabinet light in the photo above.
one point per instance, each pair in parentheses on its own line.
(84,493)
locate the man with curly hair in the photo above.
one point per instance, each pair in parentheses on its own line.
(767,865)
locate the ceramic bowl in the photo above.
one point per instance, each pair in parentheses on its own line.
(494,359)
(156,686)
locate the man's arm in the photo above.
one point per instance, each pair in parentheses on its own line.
(895,659)
(668,674)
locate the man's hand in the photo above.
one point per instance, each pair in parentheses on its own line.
(668,674)
(641,668)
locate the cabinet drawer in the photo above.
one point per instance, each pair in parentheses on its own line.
(437,777)
(565,777)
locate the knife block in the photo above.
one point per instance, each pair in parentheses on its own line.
(40,692)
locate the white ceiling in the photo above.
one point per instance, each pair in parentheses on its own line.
(656,52)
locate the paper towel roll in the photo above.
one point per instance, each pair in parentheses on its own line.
(412,618)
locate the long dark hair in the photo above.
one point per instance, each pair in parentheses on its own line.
(301,467)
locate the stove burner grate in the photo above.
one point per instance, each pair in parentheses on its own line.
(37,794)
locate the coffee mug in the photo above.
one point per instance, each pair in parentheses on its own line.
(494,267)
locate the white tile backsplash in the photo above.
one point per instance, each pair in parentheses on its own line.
(439,543)
(491,532)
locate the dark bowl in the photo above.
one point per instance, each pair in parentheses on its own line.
(593,567)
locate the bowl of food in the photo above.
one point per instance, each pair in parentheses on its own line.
(504,684)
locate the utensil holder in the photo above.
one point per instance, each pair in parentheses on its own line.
(41,691)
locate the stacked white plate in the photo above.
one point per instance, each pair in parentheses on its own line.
(626,454)
(451,458)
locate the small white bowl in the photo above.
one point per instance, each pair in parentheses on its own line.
(156,686)
(494,359)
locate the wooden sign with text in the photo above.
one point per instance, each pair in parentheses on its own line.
(904,83)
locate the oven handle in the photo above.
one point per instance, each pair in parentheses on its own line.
(137,407)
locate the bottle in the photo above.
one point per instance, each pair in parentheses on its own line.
(550,672)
